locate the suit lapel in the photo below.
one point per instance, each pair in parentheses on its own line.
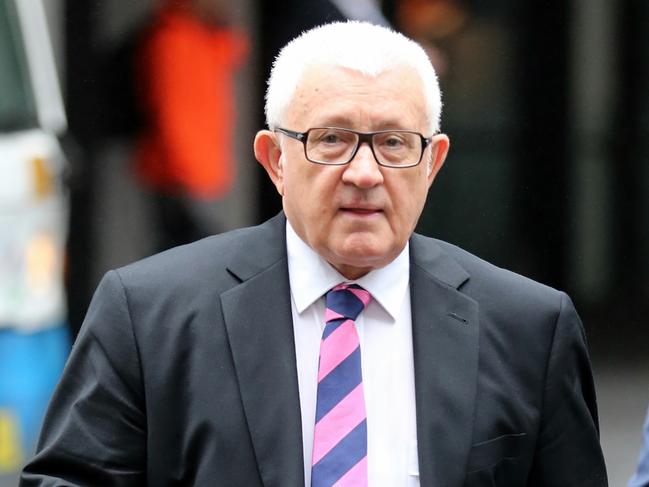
(258,320)
(445,338)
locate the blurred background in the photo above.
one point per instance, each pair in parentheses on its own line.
(127,127)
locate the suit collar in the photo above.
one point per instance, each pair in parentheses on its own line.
(265,246)
(429,257)
(257,315)
(445,346)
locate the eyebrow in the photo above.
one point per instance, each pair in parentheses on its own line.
(346,122)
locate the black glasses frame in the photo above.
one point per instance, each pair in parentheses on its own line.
(362,137)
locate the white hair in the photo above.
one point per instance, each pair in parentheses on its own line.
(363,47)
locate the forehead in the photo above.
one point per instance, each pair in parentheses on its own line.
(338,96)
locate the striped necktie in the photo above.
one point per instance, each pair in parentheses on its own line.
(340,435)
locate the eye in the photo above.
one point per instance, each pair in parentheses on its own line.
(331,138)
(393,141)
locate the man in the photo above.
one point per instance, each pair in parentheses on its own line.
(641,476)
(330,345)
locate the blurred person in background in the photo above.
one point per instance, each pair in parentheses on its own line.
(186,67)
(430,22)
(641,476)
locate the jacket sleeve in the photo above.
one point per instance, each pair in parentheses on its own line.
(94,431)
(568,452)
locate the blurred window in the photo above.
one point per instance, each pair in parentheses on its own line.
(17,106)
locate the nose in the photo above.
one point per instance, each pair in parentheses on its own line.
(363,171)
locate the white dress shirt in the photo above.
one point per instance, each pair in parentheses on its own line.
(385,333)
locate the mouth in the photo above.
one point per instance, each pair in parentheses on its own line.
(359,211)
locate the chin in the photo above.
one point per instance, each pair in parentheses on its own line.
(362,250)
(367,257)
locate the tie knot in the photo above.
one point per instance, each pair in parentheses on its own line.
(346,301)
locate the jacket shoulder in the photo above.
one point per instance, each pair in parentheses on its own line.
(490,284)
(224,258)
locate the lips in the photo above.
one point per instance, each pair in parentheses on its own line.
(358,205)
(360,210)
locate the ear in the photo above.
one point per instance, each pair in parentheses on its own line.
(438,151)
(269,154)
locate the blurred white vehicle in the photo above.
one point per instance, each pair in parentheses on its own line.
(34,340)
(33,203)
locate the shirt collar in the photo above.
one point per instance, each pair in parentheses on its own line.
(311,276)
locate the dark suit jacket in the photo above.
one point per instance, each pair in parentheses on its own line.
(184,374)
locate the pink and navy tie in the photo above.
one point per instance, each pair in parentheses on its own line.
(340,435)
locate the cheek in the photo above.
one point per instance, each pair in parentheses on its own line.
(408,200)
(307,193)
(293,177)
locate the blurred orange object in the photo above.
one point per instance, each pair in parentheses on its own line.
(186,69)
(431,19)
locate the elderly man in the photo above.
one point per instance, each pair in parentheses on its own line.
(330,345)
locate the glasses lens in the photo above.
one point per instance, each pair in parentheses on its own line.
(397,148)
(330,146)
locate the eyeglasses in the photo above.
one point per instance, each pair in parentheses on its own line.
(335,146)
